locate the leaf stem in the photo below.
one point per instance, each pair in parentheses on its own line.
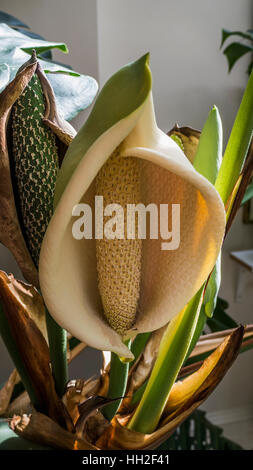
(171,355)
(139,344)
(57,338)
(117,384)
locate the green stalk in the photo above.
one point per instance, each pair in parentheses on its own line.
(198,330)
(117,384)
(136,398)
(171,355)
(57,338)
(11,346)
(139,344)
(237,146)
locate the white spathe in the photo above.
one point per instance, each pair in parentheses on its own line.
(67,270)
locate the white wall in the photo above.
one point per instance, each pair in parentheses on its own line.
(189,76)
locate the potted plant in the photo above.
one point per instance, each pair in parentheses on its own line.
(140,296)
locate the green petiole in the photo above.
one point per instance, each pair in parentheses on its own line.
(117,384)
(171,355)
(57,338)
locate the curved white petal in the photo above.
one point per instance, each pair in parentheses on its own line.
(68,275)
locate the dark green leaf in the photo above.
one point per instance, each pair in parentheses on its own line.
(40,49)
(235,51)
(221,321)
(226,34)
(72,74)
(222,303)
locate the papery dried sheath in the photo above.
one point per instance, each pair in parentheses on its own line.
(188,138)
(186,396)
(30,344)
(33,140)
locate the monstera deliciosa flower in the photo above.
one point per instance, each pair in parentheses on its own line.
(105,291)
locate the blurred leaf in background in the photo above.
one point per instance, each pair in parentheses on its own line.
(237,49)
(74,92)
(220,319)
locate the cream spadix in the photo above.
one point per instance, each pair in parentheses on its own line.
(123,119)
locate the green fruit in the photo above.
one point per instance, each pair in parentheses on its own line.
(35,158)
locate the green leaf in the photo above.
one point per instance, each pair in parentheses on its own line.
(219,324)
(226,34)
(208,157)
(73,93)
(248,193)
(238,144)
(171,355)
(212,289)
(72,74)
(41,49)
(234,52)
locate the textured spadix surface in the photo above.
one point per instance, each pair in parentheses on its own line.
(123,118)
